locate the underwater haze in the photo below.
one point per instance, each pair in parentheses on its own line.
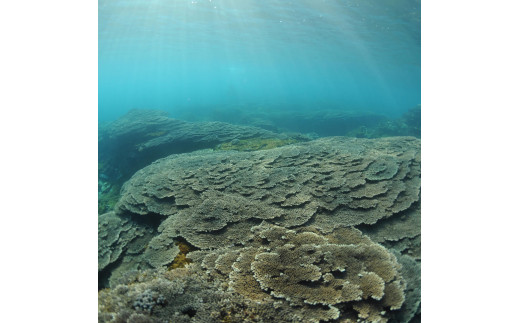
(190,58)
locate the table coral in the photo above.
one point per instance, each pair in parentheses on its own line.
(117,235)
(276,229)
(311,270)
(335,180)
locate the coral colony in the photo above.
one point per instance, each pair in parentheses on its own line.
(262,229)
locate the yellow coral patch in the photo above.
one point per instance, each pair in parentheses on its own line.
(180,261)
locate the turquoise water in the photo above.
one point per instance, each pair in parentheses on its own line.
(193,57)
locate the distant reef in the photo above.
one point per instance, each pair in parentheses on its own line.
(321,231)
(320,122)
(409,124)
(143,136)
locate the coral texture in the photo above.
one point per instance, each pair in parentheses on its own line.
(333,181)
(279,275)
(175,296)
(117,236)
(411,271)
(148,300)
(311,271)
(309,232)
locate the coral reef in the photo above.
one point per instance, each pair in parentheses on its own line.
(406,224)
(401,232)
(326,122)
(175,296)
(202,225)
(333,181)
(116,236)
(148,300)
(307,268)
(160,252)
(411,272)
(409,124)
(122,243)
(280,274)
(326,230)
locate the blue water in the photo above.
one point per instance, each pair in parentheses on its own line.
(198,56)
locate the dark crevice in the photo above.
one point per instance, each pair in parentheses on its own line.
(190,312)
(152,220)
(311,284)
(104,275)
(339,274)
